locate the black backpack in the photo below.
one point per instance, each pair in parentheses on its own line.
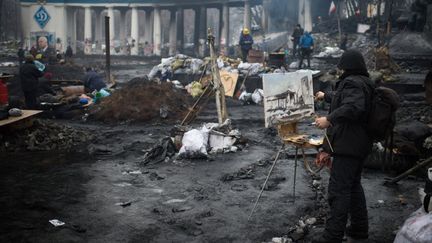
(382,114)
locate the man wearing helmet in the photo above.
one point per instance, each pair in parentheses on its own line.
(246,42)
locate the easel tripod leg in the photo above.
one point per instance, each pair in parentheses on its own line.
(295,172)
(265,182)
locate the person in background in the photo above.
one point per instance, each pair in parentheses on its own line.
(296,35)
(59,46)
(44,86)
(33,51)
(349,144)
(21,55)
(69,52)
(306,48)
(93,81)
(246,42)
(29,75)
(45,53)
(344,42)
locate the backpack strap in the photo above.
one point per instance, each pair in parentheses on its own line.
(426,202)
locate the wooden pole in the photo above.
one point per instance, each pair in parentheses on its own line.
(410,171)
(217,84)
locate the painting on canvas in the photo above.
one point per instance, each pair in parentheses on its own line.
(288,97)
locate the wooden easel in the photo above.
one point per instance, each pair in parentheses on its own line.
(289,135)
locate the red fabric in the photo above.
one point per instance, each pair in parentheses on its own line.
(323,158)
(4,97)
(48,75)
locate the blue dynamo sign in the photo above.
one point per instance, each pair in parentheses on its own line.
(42,17)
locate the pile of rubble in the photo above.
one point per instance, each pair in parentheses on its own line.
(43,136)
(142,101)
(182,64)
(177,64)
(9,48)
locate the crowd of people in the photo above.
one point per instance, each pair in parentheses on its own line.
(35,75)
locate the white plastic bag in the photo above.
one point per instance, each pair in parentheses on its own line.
(258,96)
(194,143)
(417,228)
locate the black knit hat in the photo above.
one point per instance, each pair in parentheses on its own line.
(352,60)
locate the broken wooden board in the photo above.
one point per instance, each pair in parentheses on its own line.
(26,114)
(229,81)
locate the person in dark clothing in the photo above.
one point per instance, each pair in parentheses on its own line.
(93,81)
(29,75)
(296,35)
(33,51)
(21,55)
(306,47)
(44,86)
(350,143)
(344,42)
(69,52)
(246,42)
(428,85)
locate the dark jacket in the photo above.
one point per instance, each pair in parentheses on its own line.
(297,33)
(350,105)
(69,51)
(246,42)
(29,75)
(93,81)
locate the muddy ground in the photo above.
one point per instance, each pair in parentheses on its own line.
(177,200)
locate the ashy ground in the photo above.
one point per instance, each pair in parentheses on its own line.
(174,201)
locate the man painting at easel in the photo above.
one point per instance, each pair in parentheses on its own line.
(347,136)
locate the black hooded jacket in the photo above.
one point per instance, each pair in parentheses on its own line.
(29,75)
(349,109)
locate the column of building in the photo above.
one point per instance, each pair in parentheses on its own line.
(148,32)
(180,29)
(111,23)
(202,31)
(265,16)
(173,32)
(157,31)
(98,29)
(134,30)
(71,23)
(247,15)
(224,35)
(123,31)
(87,30)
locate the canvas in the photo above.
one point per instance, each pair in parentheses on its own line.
(288,97)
